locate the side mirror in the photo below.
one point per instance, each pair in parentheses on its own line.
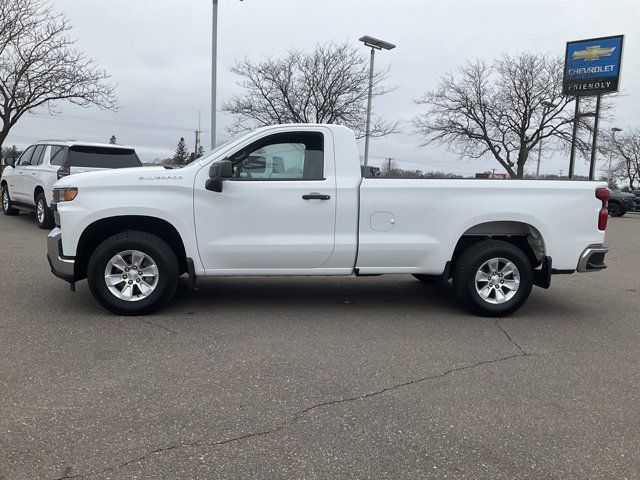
(10,162)
(218,172)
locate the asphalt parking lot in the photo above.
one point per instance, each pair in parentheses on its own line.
(319,378)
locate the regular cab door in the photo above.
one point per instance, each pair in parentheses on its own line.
(277,212)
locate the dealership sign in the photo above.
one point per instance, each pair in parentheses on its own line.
(592,67)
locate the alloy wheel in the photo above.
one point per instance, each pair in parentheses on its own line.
(131,275)
(497,280)
(40,211)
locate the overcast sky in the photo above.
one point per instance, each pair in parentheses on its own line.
(158,52)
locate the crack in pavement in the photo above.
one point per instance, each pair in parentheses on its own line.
(300,414)
(506,334)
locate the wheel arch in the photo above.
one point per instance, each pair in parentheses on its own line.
(39,189)
(520,234)
(104,228)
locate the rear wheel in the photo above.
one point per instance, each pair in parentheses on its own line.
(44,215)
(493,278)
(7,206)
(133,273)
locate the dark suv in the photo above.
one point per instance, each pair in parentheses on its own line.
(621,203)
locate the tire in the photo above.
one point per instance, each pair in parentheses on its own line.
(7,205)
(615,210)
(478,259)
(156,252)
(44,215)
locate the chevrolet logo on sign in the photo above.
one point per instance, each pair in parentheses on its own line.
(591,54)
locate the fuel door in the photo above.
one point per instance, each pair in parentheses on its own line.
(382,221)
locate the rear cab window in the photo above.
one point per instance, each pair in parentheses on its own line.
(102,157)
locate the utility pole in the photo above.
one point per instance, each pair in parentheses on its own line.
(197,147)
(547,106)
(198,131)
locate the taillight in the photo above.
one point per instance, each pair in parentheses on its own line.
(602,194)
(64,171)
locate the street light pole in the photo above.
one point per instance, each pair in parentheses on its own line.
(614,130)
(368,129)
(214,72)
(375,44)
(547,106)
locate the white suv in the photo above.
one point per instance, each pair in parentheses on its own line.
(27,184)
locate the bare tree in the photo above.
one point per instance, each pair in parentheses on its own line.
(39,64)
(498,110)
(328,85)
(623,151)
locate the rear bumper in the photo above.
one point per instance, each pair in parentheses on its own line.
(592,259)
(61,266)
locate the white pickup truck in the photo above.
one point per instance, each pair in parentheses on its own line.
(291,200)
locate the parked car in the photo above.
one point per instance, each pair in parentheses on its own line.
(291,200)
(27,183)
(621,203)
(636,199)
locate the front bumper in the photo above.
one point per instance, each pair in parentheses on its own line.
(61,266)
(592,259)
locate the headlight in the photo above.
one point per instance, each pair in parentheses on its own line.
(64,194)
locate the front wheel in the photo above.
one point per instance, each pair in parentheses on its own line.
(493,278)
(133,273)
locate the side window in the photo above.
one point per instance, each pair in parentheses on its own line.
(38,153)
(25,158)
(283,156)
(58,155)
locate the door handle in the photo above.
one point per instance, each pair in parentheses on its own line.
(315,196)
(33,173)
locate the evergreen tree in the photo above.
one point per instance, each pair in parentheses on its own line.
(113,140)
(200,151)
(181,156)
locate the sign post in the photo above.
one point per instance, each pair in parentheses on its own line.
(591,68)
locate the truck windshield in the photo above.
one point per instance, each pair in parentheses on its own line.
(102,157)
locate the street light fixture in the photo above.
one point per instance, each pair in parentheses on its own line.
(374,44)
(547,106)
